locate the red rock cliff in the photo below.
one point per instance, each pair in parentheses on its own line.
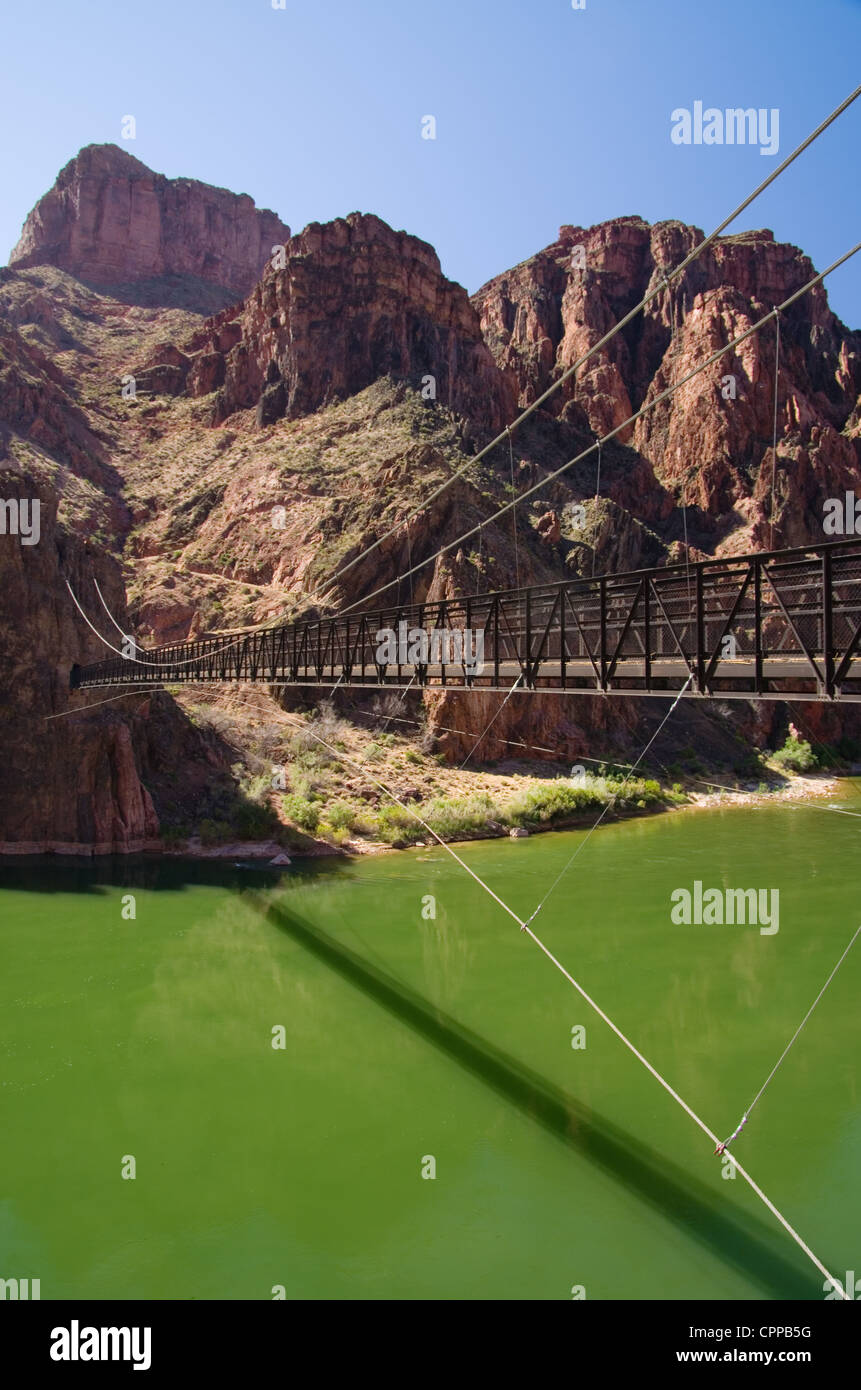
(714,453)
(110,220)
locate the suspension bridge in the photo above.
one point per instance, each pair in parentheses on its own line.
(769,625)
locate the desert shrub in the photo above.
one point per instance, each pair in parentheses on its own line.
(339,836)
(828,756)
(304,813)
(306,752)
(303,784)
(255,787)
(635,790)
(452,819)
(561,798)
(538,805)
(270,740)
(340,815)
(749,766)
(213,832)
(396,826)
(217,719)
(795,756)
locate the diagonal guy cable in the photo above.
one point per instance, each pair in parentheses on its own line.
(79,709)
(524,926)
(610,804)
(801,1025)
(482,736)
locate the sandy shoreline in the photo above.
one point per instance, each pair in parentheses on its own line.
(808,788)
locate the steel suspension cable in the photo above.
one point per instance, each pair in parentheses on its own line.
(774,432)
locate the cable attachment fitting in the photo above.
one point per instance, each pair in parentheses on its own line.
(721,1148)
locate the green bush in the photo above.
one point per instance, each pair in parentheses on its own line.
(454,819)
(301,811)
(397,826)
(750,766)
(340,815)
(795,756)
(561,798)
(213,832)
(256,788)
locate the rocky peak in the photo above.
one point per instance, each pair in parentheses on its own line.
(109,220)
(353,301)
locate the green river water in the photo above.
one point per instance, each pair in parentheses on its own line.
(408,1039)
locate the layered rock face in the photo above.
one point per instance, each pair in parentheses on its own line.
(711,443)
(354,301)
(110,220)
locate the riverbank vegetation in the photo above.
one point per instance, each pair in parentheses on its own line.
(314,781)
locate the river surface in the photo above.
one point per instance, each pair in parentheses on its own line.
(417,1044)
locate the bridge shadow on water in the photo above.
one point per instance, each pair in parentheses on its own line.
(739,1239)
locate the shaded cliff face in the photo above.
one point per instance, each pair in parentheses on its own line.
(77,775)
(68,784)
(109,220)
(354,301)
(711,443)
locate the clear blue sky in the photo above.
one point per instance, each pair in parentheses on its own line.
(545,115)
